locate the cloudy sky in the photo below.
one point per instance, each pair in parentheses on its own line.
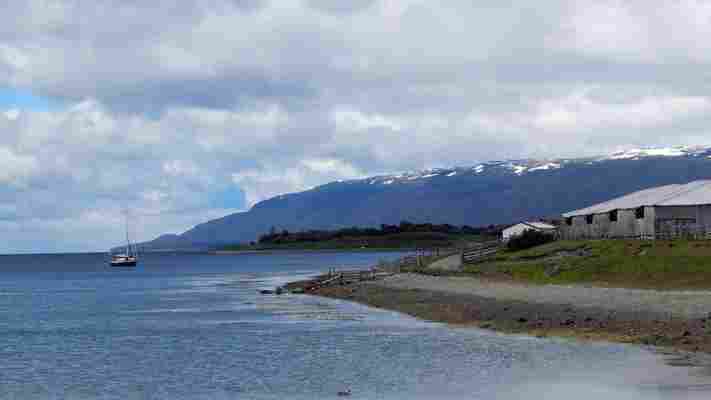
(185,113)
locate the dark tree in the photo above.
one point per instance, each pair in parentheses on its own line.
(528,239)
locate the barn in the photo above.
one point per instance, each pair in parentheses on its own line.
(518,229)
(666,212)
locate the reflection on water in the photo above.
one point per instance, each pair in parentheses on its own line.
(194,327)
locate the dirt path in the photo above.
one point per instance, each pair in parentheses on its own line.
(450,263)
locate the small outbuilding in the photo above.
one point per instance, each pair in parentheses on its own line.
(518,229)
(664,212)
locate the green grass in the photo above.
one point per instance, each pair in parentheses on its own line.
(544,250)
(642,264)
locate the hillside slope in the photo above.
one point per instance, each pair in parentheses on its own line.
(491,193)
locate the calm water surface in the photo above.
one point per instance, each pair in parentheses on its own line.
(194,327)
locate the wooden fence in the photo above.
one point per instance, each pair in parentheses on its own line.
(423,257)
(397,266)
(480,251)
(409,261)
(346,277)
(356,276)
(681,229)
(471,254)
(661,232)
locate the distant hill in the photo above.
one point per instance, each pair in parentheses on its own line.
(496,192)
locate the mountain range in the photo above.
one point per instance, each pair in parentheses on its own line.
(495,192)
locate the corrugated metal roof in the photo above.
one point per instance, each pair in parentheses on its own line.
(535,225)
(539,225)
(692,193)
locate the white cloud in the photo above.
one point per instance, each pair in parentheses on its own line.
(668,32)
(13,57)
(15,169)
(269,180)
(180,168)
(351,120)
(259,184)
(579,112)
(12,114)
(606,27)
(331,166)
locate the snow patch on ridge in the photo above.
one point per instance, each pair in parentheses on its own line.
(637,153)
(520,167)
(546,167)
(517,168)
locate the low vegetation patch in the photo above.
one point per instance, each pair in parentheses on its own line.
(406,235)
(623,263)
(528,239)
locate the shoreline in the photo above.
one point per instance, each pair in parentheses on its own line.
(643,325)
(305,250)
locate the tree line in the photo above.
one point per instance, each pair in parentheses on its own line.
(405,227)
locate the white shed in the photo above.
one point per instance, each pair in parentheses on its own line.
(518,229)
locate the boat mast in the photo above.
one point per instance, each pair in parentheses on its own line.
(129,250)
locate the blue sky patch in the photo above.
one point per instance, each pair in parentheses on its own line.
(22,99)
(231,197)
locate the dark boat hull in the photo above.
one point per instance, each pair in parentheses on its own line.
(123,263)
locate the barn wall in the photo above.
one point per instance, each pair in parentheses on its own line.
(646,226)
(684,212)
(626,226)
(694,221)
(705,216)
(579,229)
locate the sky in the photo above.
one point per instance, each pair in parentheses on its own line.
(180,114)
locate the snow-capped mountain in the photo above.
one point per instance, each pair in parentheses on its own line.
(676,151)
(526,166)
(494,192)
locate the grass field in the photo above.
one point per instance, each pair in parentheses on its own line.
(621,263)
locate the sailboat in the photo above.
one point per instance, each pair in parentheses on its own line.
(130,257)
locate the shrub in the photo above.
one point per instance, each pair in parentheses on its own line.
(529,238)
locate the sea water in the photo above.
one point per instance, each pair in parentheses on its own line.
(193,326)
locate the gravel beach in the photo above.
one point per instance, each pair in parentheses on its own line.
(681,304)
(678,319)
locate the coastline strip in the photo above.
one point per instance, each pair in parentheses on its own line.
(462,301)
